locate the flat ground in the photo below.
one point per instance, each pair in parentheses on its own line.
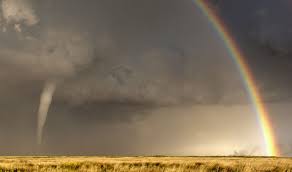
(141,164)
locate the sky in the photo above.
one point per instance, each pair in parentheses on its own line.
(141,77)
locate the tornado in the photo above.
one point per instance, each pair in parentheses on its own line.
(45,103)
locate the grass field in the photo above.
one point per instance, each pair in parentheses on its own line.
(148,164)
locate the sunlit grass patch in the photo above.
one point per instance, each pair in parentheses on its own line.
(146,164)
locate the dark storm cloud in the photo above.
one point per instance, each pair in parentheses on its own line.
(263,31)
(89,48)
(120,63)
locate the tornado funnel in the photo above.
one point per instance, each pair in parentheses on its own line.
(45,102)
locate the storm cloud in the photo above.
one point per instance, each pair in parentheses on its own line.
(126,70)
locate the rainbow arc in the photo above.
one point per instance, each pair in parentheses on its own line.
(247,76)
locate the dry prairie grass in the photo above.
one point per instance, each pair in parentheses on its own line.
(146,164)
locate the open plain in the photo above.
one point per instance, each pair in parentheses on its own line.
(146,164)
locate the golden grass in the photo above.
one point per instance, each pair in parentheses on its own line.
(146,164)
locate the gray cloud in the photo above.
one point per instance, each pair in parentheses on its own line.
(128,69)
(17,13)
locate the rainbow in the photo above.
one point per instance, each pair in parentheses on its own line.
(248,79)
